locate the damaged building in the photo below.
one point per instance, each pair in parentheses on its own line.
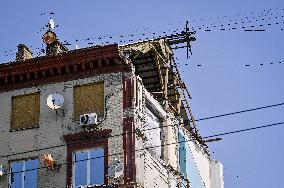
(102,116)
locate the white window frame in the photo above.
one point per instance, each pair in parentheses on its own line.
(88,167)
(23,172)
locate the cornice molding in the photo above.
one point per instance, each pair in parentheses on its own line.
(63,67)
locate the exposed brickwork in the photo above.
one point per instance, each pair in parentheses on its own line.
(23,53)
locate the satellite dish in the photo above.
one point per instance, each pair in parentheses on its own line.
(54,101)
(49,37)
(49,161)
(115,168)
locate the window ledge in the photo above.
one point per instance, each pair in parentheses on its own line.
(26,128)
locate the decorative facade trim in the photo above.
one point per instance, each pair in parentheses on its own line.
(128,134)
(129,150)
(86,140)
(63,67)
(128,93)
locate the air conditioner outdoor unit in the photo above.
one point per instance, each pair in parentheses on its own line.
(88,119)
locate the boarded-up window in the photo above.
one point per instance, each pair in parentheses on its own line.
(25,111)
(89,99)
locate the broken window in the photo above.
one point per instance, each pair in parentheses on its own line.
(23,174)
(25,111)
(89,98)
(89,167)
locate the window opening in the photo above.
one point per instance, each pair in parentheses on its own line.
(89,167)
(23,174)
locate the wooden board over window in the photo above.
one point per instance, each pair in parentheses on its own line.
(25,111)
(89,99)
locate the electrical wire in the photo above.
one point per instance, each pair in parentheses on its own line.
(116,135)
(120,153)
(246,65)
(238,112)
(232,22)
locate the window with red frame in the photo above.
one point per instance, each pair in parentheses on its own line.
(87,158)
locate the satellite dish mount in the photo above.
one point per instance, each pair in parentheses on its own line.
(55,101)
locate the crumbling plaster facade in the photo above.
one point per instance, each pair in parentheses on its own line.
(53,124)
(155,170)
(126,103)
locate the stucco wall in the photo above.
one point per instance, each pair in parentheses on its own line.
(197,163)
(54,124)
(202,162)
(155,174)
(217,174)
(150,169)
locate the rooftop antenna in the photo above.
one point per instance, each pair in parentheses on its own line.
(184,38)
(51,24)
(188,49)
(49,37)
(213,140)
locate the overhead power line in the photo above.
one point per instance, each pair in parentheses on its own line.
(120,153)
(246,65)
(116,135)
(245,130)
(239,112)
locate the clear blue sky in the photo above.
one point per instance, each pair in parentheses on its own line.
(222,84)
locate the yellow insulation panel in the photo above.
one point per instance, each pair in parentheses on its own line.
(89,98)
(25,111)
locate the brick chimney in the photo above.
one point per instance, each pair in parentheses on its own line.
(55,48)
(23,53)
